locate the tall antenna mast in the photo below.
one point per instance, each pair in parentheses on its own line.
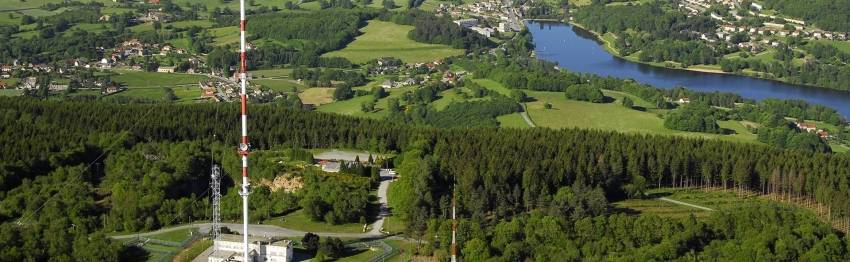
(454,226)
(215,185)
(244,147)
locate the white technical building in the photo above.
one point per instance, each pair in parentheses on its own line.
(469,22)
(229,248)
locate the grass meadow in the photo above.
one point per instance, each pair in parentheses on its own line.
(384,39)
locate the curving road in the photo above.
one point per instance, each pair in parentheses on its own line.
(271,230)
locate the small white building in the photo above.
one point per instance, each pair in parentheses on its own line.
(229,248)
(165,69)
(331,166)
(469,22)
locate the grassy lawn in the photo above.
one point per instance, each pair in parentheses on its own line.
(405,250)
(150,93)
(844,46)
(173,236)
(716,200)
(360,255)
(383,39)
(317,96)
(400,4)
(299,221)
(10,92)
(839,148)
(151,79)
(187,94)
(18,4)
(279,85)
(272,73)
(493,85)
(512,121)
(612,116)
(349,107)
(195,249)
(225,35)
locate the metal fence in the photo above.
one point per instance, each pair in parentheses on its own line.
(161,255)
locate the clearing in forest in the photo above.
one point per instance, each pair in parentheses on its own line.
(387,39)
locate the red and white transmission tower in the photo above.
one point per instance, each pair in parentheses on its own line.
(454,228)
(244,147)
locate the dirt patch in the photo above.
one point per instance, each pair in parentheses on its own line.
(289,183)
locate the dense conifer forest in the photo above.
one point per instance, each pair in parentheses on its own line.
(542,180)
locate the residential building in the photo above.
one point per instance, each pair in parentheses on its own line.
(808,127)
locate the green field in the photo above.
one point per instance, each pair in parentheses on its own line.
(844,46)
(279,85)
(299,221)
(383,39)
(493,85)
(173,236)
(151,79)
(10,92)
(272,73)
(613,117)
(193,250)
(512,121)
(225,35)
(715,199)
(349,107)
(317,96)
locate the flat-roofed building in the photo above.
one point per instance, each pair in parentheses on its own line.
(229,248)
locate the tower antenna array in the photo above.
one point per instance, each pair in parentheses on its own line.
(244,147)
(215,185)
(454,227)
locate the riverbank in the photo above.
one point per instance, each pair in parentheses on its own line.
(711,69)
(609,47)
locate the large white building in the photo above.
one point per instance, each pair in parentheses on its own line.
(229,248)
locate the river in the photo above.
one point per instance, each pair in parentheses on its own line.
(579,51)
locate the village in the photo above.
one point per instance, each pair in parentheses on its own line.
(770,33)
(487,18)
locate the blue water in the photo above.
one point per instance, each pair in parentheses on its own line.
(578,51)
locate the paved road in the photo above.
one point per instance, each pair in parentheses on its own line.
(525,116)
(684,204)
(271,230)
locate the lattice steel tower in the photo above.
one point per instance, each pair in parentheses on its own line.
(215,186)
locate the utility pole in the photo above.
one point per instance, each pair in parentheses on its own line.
(244,147)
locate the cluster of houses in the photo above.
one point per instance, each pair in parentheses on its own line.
(493,15)
(416,73)
(760,36)
(812,128)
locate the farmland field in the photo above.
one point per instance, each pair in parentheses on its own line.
(613,117)
(150,79)
(317,96)
(383,39)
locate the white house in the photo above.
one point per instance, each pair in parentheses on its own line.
(229,248)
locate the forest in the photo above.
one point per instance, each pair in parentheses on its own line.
(504,173)
(429,28)
(827,14)
(694,117)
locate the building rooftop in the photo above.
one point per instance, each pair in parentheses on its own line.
(254,239)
